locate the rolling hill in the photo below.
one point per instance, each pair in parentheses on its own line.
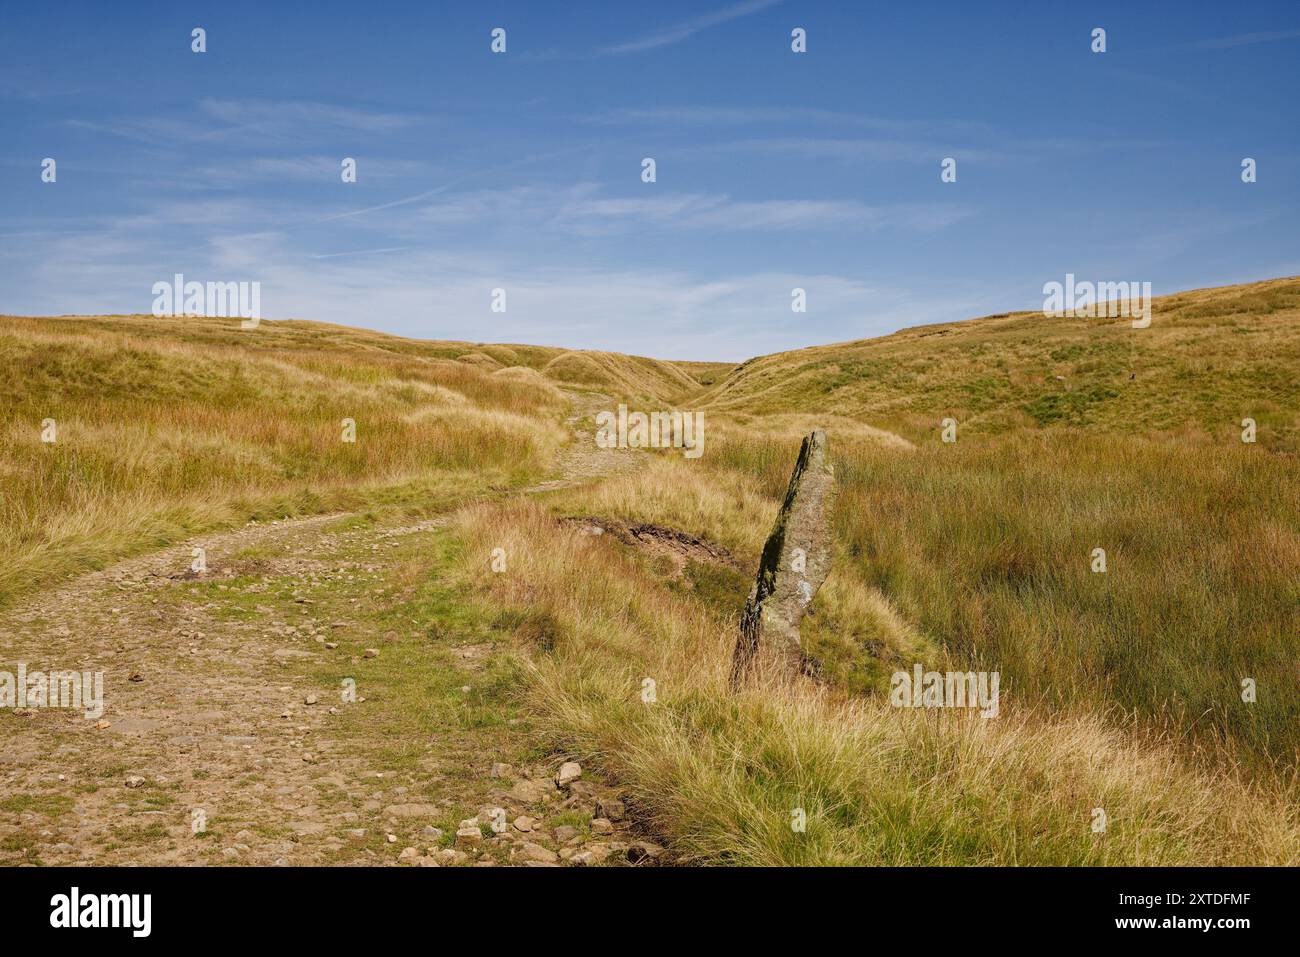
(163,427)
(1209,358)
(1124,682)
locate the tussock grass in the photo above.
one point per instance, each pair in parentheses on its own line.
(721,774)
(159,438)
(631,376)
(726,509)
(1121,691)
(167,427)
(1210,358)
(984,548)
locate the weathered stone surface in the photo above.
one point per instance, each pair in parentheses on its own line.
(795,562)
(530,792)
(644,850)
(469,834)
(538,853)
(412,811)
(611,808)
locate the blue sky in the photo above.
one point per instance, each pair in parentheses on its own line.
(522,170)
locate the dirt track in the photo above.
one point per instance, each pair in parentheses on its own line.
(218,709)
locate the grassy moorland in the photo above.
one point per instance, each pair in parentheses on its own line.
(984,545)
(1121,691)
(165,427)
(1073,435)
(1210,358)
(721,774)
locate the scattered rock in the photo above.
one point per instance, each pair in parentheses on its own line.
(601,826)
(570,771)
(531,791)
(611,809)
(565,833)
(581,794)
(468,834)
(644,850)
(134,781)
(407,811)
(535,852)
(493,817)
(371,653)
(524,823)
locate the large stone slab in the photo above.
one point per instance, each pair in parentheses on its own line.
(795,562)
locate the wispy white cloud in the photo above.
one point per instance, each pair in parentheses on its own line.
(361,252)
(306,168)
(298,113)
(1245,39)
(584,210)
(688,28)
(803,116)
(720,213)
(431,293)
(219,120)
(814,133)
(846,149)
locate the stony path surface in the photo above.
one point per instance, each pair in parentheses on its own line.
(229,737)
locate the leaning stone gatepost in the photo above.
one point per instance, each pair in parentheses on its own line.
(795,562)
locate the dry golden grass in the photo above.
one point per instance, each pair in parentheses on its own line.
(629,376)
(985,548)
(162,435)
(1209,358)
(1121,691)
(721,774)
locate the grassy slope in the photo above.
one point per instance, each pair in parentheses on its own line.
(1121,691)
(169,426)
(985,544)
(722,775)
(974,553)
(1209,358)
